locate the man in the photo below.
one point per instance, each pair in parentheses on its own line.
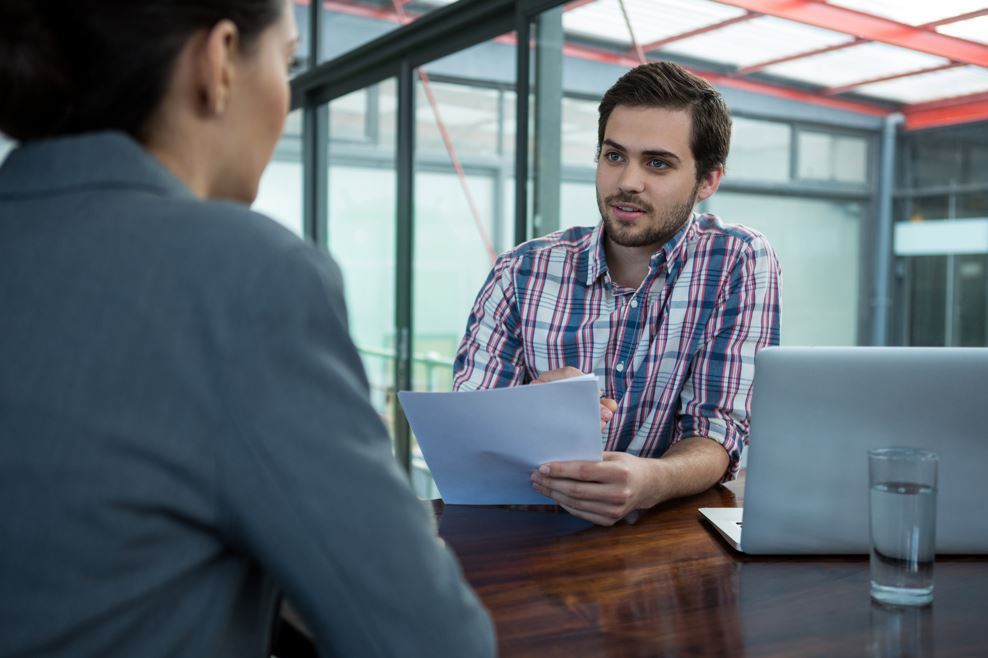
(667,308)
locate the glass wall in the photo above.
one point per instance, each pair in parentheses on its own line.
(806,180)
(463,159)
(760,150)
(818,238)
(942,290)
(819,248)
(361,228)
(348,24)
(832,157)
(280,193)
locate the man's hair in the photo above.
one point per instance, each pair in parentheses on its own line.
(670,86)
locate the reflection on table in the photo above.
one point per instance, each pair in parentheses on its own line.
(668,585)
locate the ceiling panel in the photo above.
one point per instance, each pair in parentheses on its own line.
(912,12)
(651,20)
(930,86)
(866,61)
(755,41)
(973,29)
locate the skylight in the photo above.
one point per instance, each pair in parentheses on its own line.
(652,20)
(758,40)
(858,63)
(930,86)
(912,12)
(973,29)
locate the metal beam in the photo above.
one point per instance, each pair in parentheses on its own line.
(315,148)
(315,164)
(522,82)
(963,109)
(548,119)
(869,27)
(881,302)
(441,32)
(404,256)
(957,19)
(315,33)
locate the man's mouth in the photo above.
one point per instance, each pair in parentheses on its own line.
(627,211)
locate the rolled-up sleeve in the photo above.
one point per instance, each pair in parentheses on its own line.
(491,353)
(715,401)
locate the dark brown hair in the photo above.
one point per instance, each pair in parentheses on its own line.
(70,66)
(668,85)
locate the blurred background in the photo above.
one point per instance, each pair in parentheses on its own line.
(860,149)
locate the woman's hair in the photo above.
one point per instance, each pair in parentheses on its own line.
(71,66)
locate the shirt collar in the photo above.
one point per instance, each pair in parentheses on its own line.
(85,160)
(671,251)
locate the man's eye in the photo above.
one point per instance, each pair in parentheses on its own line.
(655,163)
(613,156)
(295,65)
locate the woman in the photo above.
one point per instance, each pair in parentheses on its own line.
(184,423)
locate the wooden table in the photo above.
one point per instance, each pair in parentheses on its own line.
(668,586)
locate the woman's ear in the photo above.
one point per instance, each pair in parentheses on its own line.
(216,67)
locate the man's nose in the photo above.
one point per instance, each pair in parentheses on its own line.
(632,180)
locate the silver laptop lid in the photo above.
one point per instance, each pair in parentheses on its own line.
(817,411)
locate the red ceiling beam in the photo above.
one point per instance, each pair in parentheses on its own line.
(871,28)
(923,115)
(701,30)
(364,11)
(963,109)
(754,68)
(575,4)
(956,19)
(627,61)
(830,91)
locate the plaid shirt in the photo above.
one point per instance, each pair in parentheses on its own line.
(677,354)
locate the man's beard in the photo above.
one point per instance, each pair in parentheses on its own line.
(651,230)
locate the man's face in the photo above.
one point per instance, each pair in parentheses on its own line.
(646,175)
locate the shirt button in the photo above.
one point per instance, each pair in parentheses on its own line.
(620,367)
(634,303)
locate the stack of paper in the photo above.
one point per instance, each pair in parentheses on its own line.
(482,446)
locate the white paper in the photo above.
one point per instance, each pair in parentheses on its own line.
(482,446)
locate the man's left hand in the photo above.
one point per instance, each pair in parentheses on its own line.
(602,492)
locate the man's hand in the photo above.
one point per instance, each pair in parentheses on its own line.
(602,492)
(607,405)
(605,492)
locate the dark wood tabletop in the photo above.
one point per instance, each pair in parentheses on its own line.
(668,585)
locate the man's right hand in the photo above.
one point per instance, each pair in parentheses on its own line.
(607,405)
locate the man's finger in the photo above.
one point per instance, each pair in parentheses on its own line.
(576,470)
(608,494)
(557,374)
(596,519)
(610,404)
(600,509)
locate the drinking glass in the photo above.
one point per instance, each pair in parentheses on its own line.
(903,506)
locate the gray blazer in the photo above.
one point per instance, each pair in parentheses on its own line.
(185,431)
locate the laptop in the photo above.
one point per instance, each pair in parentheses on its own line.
(816,411)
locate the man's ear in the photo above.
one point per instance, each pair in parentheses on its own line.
(215,66)
(709,183)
